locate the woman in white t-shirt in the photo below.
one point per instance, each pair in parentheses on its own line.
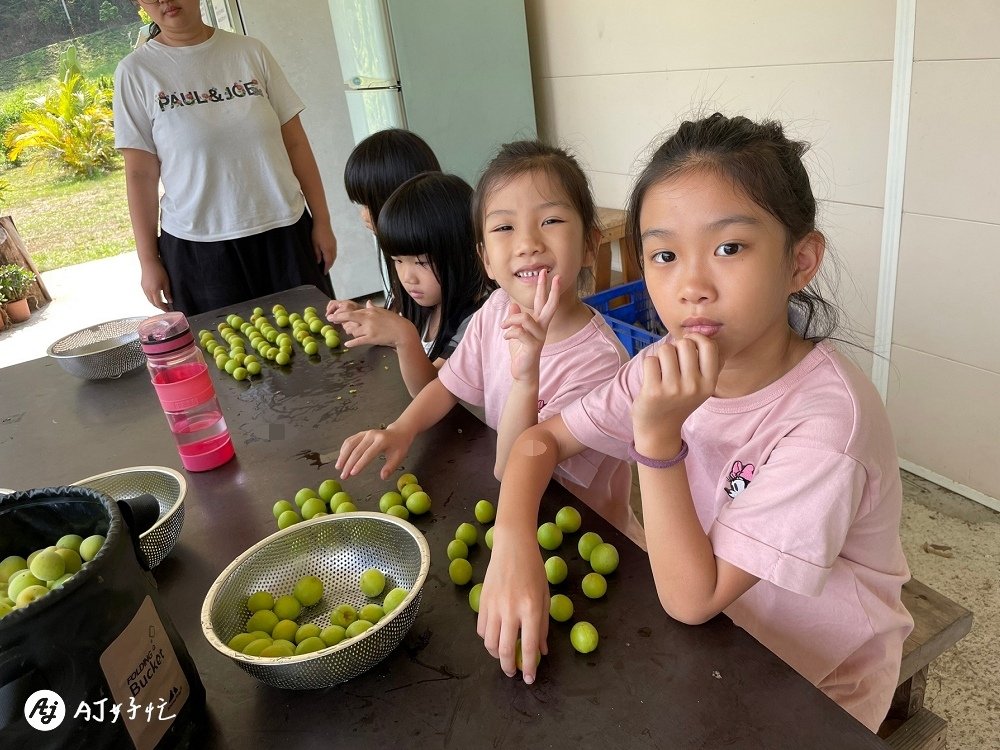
(210,115)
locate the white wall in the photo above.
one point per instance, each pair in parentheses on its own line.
(611,77)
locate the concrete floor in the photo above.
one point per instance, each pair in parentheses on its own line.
(964,684)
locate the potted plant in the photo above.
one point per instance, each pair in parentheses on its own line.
(14,284)
(3,300)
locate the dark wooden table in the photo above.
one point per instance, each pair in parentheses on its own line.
(652,682)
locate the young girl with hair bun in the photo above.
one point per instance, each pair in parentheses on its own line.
(533,347)
(769,475)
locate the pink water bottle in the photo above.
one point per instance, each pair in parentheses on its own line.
(184,387)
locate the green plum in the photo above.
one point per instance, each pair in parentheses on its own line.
(90,546)
(312,506)
(418,503)
(70,541)
(30,594)
(343,615)
(332,634)
(48,565)
(263,619)
(372,582)
(356,628)
(285,630)
(309,630)
(260,600)
(287,607)
(308,590)
(389,500)
(372,613)
(309,645)
(467,533)
(20,581)
(393,599)
(329,488)
(10,566)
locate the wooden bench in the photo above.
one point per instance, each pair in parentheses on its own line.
(612,222)
(938,624)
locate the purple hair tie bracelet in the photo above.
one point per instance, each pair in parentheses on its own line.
(658,463)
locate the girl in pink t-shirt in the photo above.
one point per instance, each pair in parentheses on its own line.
(770,484)
(533,347)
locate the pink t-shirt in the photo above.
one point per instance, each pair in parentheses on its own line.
(799,485)
(479,373)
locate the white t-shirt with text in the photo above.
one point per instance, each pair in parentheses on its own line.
(212,114)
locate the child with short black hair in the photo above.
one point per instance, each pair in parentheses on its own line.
(426,237)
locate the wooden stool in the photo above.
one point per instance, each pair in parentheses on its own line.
(612,222)
(938,624)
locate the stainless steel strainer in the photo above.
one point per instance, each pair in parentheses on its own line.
(163,483)
(106,350)
(336,549)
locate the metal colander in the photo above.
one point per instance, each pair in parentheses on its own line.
(106,350)
(163,483)
(337,549)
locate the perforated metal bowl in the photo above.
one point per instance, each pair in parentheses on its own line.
(336,549)
(163,483)
(106,350)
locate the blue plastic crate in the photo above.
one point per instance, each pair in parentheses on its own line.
(631,315)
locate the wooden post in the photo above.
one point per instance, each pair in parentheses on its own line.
(13,250)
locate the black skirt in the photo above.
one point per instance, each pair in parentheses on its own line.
(211,275)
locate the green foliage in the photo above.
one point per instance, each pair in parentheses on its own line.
(15,281)
(98,55)
(72,124)
(110,13)
(68,64)
(26,25)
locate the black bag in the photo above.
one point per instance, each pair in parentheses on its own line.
(102,636)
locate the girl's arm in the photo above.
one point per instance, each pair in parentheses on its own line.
(304,166)
(515,596)
(426,410)
(142,178)
(374,325)
(693,585)
(526,333)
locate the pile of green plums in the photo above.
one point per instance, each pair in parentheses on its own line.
(272,629)
(270,344)
(602,557)
(408,499)
(326,499)
(24,580)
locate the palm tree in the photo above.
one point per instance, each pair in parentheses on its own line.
(72,124)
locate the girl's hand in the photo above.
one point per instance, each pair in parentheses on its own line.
(677,379)
(335,306)
(156,285)
(361,449)
(526,330)
(514,600)
(324,244)
(375,325)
